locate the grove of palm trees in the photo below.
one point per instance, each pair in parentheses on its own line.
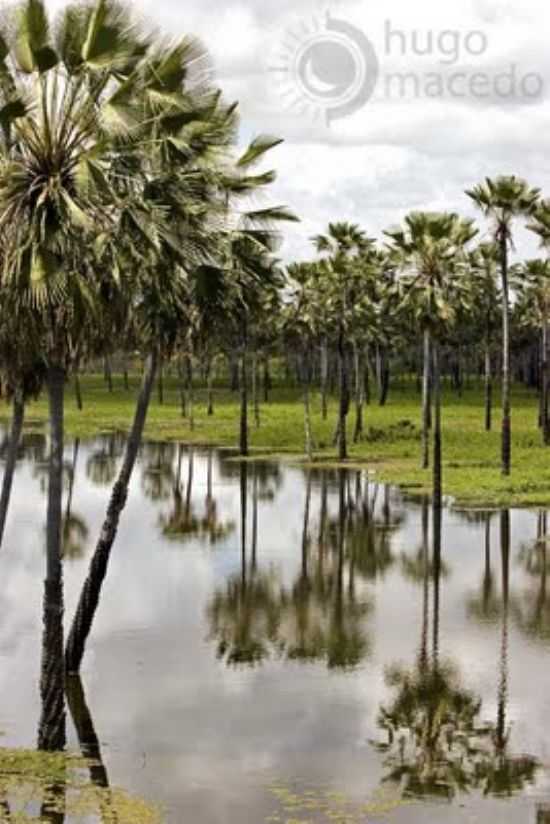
(225,453)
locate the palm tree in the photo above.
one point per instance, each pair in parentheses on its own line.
(430,249)
(533,310)
(338,245)
(484,298)
(503,200)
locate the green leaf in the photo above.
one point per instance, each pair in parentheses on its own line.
(12,111)
(257,149)
(33,51)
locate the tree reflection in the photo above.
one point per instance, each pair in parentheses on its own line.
(101,466)
(485,605)
(436,743)
(531,610)
(183,523)
(157,478)
(318,618)
(244,617)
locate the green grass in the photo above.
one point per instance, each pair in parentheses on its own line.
(471,456)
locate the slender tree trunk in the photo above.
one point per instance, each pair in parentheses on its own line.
(78,392)
(324,378)
(426,402)
(210,388)
(190,395)
(344,399)
(108,372)
(160,383)
(255,395)
(359,394)
(125,376)
(51,733)
(506,387)
(384,378)
(243,429)
(488,387)
(437,480)
(267,379)
(545,384)
(18,416)
(183,391)
(307,413)
(91,591)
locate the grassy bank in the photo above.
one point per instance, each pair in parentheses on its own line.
(391,448)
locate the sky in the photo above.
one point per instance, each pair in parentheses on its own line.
(462,92)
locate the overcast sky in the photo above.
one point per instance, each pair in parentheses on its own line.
(419,150)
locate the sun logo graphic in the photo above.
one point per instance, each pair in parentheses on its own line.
(326,69)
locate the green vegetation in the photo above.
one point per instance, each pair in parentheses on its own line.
(391,447)
(56,784)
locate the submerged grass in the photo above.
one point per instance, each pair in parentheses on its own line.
(45,787)
(391,447)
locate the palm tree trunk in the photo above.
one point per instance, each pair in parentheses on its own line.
(210,388)
(309,444)
(255,395)
(78,392)
(266,379)
(488,387)
(91,591)
(51,733)
(243,429)
(190,397)
(161,384)
(426,402)
(18,416)
(545,385)
(359,394)
(324,378)
(344,399)
(437,469)
(108,373)
(506,387)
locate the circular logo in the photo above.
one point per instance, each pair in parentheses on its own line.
(329,69)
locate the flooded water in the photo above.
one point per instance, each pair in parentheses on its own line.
(273,645)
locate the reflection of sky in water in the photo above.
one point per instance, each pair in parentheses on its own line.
(205,740)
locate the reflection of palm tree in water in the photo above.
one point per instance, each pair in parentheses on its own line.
(183,524)
(436,743)
(531,611)
(486,605)
(244,617)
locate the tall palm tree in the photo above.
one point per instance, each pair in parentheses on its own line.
(430,249)
(340,243)
(485,297)
(503,200)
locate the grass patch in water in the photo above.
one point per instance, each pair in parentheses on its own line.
(36,787)
(317,806)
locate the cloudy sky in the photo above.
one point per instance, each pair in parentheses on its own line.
(464,97)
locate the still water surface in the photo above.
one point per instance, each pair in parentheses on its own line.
(273,645)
